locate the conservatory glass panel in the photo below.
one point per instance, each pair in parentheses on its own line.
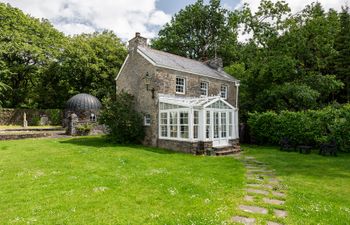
(216,124)
(173,124)
(219,105)
(195,124)
(207,126)
(223,125)
(184,124)
(164,124)
(230,124)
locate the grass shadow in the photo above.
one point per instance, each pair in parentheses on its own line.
(103,142)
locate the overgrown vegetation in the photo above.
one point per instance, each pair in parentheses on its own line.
(304,127)
(124,123)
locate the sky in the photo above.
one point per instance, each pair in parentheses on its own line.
(125,17)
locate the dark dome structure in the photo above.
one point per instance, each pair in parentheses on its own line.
(83,102)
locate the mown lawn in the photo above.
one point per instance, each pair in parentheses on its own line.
(318,187)
(88,181)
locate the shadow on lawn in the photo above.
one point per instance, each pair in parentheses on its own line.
(102,142)
(289,163)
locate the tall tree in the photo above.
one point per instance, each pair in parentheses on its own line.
(200,31)
(89,63)
(27,46)
(342,59)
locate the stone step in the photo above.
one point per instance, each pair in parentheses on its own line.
(280,213)
(273,201)
(253,209)
(230,151)
(257,191)
(244,220)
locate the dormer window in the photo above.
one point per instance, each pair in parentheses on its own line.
(180,85)
(204,88)
(224,91)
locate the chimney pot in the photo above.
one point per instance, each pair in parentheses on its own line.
(137,34)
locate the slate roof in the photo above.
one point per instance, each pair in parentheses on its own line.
(175,62)
(83,102)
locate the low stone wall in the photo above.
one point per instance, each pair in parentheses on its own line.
(198,147)
(34,116)
(4,137)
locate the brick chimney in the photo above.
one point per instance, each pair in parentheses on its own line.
(215,63)
(137,41)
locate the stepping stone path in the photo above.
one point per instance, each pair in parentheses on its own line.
(263,188)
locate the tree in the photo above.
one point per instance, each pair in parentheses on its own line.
(27,46)
(200,32)
(124,123)
(342,59)
(88,64)
(287,58)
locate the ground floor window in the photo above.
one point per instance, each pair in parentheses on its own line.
(174,124)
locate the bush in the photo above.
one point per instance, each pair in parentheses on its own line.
(305,127)
(83,129)
(123,122)
(55,116)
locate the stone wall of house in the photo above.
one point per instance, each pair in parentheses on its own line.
(132,80)
(198,147)
(165,83)
(34,116)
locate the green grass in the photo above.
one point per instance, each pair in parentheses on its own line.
(88,181)
(318,187)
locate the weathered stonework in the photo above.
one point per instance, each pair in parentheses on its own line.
(15,116)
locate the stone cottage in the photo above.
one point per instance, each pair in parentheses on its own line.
(188,105)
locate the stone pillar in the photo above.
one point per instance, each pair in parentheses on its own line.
(25,122)
(73,120)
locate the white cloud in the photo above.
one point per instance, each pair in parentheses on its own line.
(297,5)
(124,17)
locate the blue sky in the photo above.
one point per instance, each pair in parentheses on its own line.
(171,7)
(125,17)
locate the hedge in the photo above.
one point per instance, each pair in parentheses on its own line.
(311,127)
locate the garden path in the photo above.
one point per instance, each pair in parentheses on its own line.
(265,195)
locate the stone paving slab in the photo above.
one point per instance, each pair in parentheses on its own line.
(253,209)
(278,194)
(249,198)
(244,220)
(257,191)
(273,223)
(273,201)
(280,213)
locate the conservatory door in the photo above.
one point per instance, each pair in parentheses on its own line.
(220,129)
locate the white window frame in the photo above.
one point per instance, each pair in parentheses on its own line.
(147,120)
(183,86)
(204,88)
(224,94)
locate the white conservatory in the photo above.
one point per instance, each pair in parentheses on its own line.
(207,119)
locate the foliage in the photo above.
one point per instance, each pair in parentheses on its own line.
(287,60)
(55,116)
(88,64)
(200,31)
(44,68)
(27,46)
(123,121)
(83,129)
(318,187)
(342,59)
(304,127)
(89,181)
(35,120)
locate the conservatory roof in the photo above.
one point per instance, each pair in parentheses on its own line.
(191,102)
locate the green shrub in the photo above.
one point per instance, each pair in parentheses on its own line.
(303,127)
(123,122)
(83,129)
(55,116)
(35,120)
